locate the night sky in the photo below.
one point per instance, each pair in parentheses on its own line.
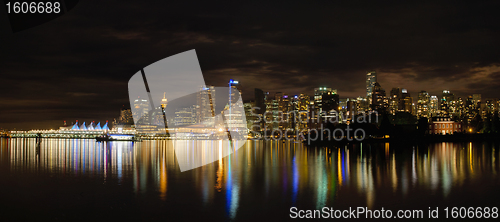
(78,65)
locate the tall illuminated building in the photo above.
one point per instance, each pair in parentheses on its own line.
(362,104)
(379,99)
(185,116)
(303,105)
(461,110)
(395,101)
(433,106)
(447,106)
(284,106)
(423,104)
(234,118)
(206,105)
(318,95)
(407,102)
(250,117)
(141,110)
(488,106)
(272,111)
(326,100)
(476,99)
(371,79)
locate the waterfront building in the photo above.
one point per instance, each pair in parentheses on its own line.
(444,125)
(206,106)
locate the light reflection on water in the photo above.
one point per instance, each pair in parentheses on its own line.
(264,173)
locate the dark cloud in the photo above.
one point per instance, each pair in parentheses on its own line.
(77,66)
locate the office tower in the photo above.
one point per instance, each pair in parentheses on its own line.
(303,111)
(351,109)
(447,103)
(250,116)
(185,116)
(379,99)
(362,104)
(343,104)
(318,95)
(476,100)
(141,110)
(206,106)
(423,104)
(409,104)
(272,111)
(235,117)
(303,102)
(348,107)
(284,107)
(470,109)
(460,108)
(325,100)
(433,106)
(406,102)
(371,79)
(260,106)
(125,117)
(284,103)
(488,106)
(395,101)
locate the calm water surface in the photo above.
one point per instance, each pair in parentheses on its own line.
(77,179)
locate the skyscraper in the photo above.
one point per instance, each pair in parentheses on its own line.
(447,103)
(141,110)
(407,101)
(433,106)
(379,99)
(206,106)
(395,101)
(371,79)
(423,104)
(476,98)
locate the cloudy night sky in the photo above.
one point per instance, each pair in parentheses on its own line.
(78,65)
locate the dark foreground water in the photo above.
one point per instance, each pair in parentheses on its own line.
(76,179)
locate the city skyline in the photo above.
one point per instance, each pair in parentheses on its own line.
(77,67)
(414,96)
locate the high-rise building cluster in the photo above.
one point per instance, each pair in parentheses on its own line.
(210,107)
(306,112)
(302,112)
